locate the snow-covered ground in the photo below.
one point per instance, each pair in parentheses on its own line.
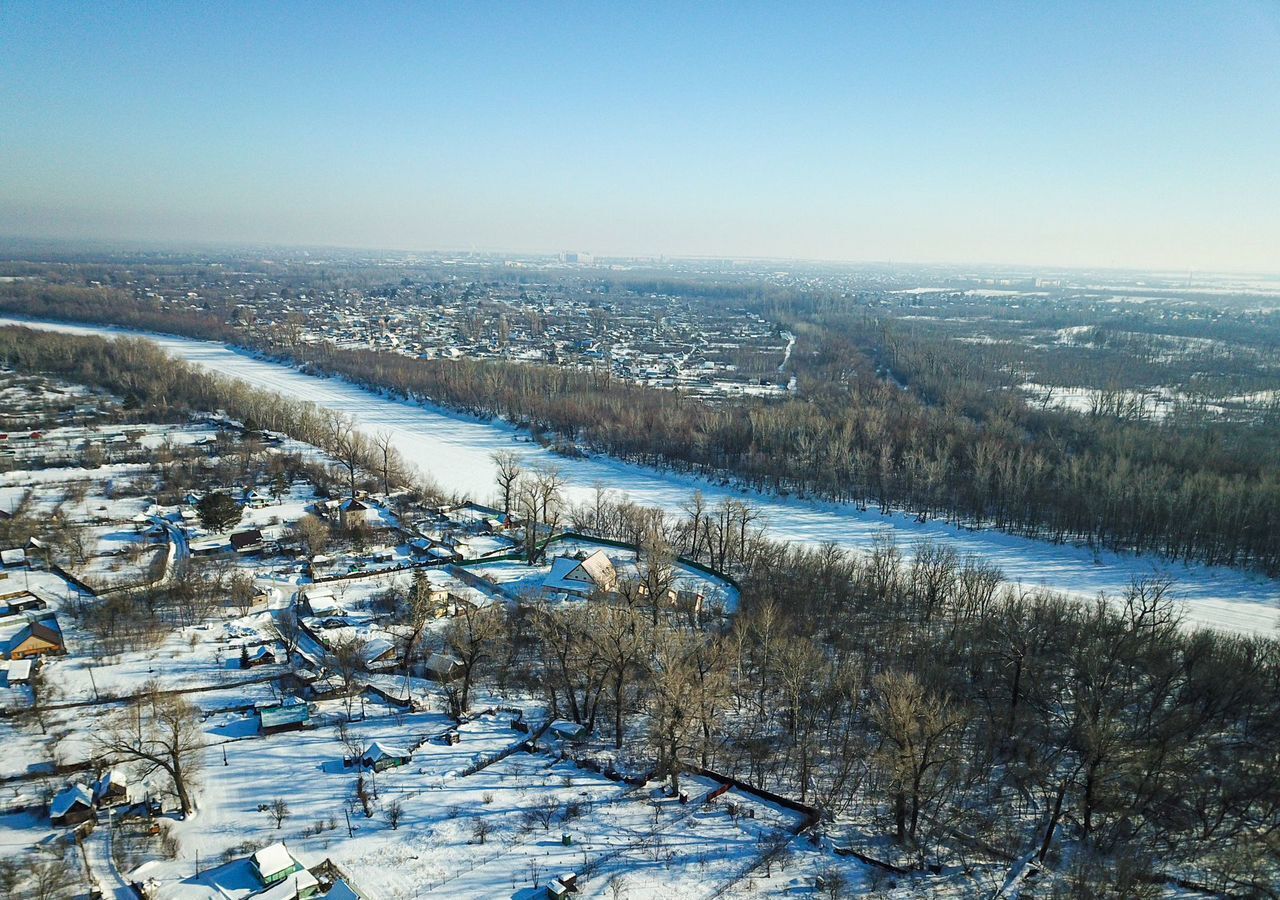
(455,450)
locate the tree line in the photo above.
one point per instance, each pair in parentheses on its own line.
(885,418)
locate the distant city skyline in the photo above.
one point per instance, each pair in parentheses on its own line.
(1136,136)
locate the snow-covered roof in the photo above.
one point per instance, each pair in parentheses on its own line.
(273,859)
(378,750)
(113,777)
(68,798)
(441,663)
(19,670)
(376,649)
(324,605)
(569,574)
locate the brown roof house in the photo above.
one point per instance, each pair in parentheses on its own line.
(36,638)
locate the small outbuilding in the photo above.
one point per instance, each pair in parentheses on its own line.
(283,717)
(113,787)
(442,667)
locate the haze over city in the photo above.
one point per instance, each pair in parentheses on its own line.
(1119,135)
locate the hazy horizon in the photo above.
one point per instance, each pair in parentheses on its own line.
(1139,138)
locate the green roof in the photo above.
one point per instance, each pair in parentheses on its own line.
(275,716)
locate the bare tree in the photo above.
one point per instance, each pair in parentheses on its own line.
(311,533)
(347,658)
(161,731)
(657,568)
(389,457)
(915,728)
(286,630)
(507,477)
(540,503)
(472,637)
(278,810)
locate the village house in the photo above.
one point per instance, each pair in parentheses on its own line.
(255,500)
(112,788)
(354,512)
(379,756)
(441,667)
(583,577)
(274,864)
(71,806)
(262,655)
(379,653)
(320,602)
(249,541)
(35,637)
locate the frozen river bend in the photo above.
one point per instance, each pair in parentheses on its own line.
(455,451)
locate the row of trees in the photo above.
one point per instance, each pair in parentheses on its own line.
(171,388)
(955,444)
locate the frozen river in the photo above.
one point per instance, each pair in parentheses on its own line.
(455,451)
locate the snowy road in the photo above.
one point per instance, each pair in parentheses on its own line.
(455,451)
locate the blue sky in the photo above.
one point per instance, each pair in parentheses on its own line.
(1116,134)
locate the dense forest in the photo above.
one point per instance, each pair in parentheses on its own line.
(921,698)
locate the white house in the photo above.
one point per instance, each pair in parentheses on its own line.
(581,576)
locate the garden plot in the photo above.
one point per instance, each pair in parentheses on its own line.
(68,736)
(305,769)
(654,844)
(193,657)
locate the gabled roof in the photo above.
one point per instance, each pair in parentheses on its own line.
(600,567)
(113,777)
(40,630)
(68,798)
(274,859)
(377,648)
(341,891)
(570,574)
(378,750)
(441,663)
(242,539)
(293,886)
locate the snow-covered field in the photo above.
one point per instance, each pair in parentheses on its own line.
(455,450)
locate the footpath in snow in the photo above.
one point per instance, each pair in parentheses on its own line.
(455,450)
